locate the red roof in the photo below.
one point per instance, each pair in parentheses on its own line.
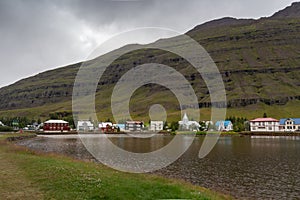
(264,120)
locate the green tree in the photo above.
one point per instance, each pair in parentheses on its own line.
(166,125)
(202,126)
(174,126)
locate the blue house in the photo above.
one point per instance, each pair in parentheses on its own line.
(224,125)
(289,124)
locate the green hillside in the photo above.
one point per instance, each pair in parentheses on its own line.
(258,59)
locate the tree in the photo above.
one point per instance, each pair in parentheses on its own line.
(265,115)
(53,115)
(202,126)
(166,125)
(174,126)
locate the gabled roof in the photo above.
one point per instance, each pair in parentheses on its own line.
(264,120)
(104,124)
(81,123)
(226,123)
(57,121)
(296,120)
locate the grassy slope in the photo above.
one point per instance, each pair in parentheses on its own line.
(251,111)
(28,175)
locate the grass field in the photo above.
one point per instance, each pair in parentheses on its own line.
(291,109)
(28,175)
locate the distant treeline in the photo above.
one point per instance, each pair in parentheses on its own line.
(19,122)
(22,122)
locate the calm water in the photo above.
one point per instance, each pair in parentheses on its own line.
(244,167)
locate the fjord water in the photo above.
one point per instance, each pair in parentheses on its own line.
(244,167)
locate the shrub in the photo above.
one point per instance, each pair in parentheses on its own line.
(6,129)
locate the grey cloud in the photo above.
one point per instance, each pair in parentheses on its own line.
(37,35)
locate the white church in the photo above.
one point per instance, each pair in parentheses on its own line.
(186,125)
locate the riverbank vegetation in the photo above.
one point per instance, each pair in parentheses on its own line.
(30,175)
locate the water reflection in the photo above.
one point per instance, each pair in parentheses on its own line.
(245,167)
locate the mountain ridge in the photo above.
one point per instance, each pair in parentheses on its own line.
(253,56)
(292,11)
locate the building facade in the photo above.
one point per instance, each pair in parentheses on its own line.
(134,125)
(224,125)
(105,126)
(186,125)
(121,127)
(156,125)
(56,126)
(85,125)
(264,125)
(289,124)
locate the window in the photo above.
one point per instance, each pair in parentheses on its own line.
(270,128)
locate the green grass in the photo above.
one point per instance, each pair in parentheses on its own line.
(28,175)
(291,109)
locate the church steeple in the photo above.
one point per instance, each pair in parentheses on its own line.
(185,118)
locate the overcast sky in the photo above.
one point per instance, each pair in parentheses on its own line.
(37,35)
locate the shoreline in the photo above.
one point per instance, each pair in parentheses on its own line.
(248,133)
(133,185)
(197,134)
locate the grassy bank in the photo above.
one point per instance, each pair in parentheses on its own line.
(30,175)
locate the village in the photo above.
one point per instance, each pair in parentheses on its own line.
(232,124)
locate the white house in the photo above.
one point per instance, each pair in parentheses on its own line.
(156,125)
(134,125)
(186,125)
(208,125)
(85,125)
(104,125)
(264,125)
(289,124)
(224,125)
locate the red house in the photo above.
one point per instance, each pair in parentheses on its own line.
(56,126)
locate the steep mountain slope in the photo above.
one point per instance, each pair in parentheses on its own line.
(258,59)
(292,11)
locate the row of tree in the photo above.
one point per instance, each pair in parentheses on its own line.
(19,122)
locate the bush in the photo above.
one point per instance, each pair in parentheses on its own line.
(6,129)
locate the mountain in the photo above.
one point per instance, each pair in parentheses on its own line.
(258,59)
(292,11)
